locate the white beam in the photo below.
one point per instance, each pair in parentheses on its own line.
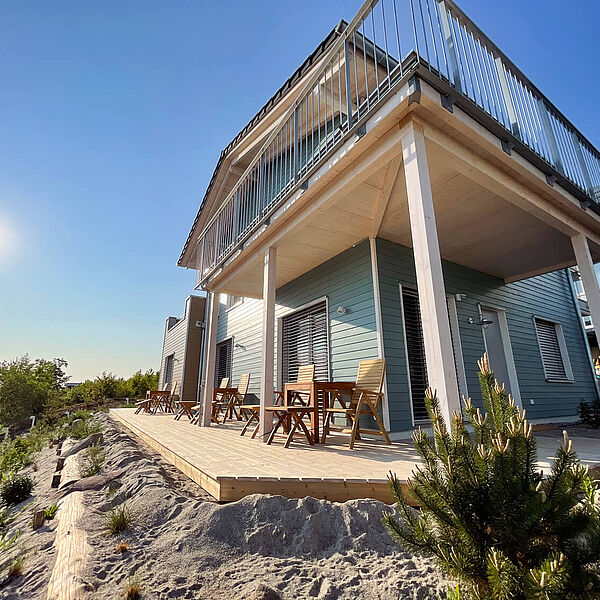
(211,353)
(588,278)
(389,180)
(439,354)
(268,342)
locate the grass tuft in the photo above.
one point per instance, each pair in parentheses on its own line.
(17,567)
(133,589)
(93,462)
(51,512)
(120,519)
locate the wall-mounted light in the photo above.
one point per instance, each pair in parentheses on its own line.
(460,297)
(482,322)
(342,310)
(238,345)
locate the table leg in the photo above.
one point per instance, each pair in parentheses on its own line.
(314,416)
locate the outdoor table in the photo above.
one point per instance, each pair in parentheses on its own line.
(313,389)
(185,408)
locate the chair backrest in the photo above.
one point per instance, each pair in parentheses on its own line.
(370,375)
(174,389)
(224,382)
(306,374)
(243,385)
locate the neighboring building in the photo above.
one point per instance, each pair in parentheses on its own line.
(182,350)
(408,193)
(586,319)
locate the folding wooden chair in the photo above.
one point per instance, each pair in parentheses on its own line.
(217,396)
(306,374)
(235,398)
(291,415)
(364,399)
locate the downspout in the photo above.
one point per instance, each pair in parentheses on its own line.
(202,353)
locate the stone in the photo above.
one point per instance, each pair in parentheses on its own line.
(264,592)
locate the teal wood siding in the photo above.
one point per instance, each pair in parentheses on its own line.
(547,296)
(345,280)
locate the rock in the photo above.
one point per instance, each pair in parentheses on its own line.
(90,440)
(264,592)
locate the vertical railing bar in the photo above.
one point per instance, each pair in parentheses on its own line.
(435,52)
(398,37)
(472,54)
(340,103)
(355,73)
(462,33)
(412,15)
(487,80)
(440,29)
(364,45)
(385,41)
(454,25)
(508,103)
(375,61)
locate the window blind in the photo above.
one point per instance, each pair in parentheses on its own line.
(415,347)
(552,357)
(305,342)
(223,366)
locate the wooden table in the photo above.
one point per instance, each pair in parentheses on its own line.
(312,390)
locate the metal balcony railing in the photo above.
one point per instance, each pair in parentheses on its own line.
(386,42)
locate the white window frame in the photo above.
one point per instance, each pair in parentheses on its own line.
(562,345)
(235,304)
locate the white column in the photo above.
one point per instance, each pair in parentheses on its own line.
(268,343)
(210,332)
(439,353)
(588,278)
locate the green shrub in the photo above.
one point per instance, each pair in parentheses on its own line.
(15,455)
(83,429)
(120,519)
(6,541)
(51,512)
(589,413)
(93,462)
(489,517)
(16,488)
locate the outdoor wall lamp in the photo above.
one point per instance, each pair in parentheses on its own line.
(482,322)
(342,310)
(238,345)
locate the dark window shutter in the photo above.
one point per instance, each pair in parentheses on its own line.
(168,378)
(304,342)
(223,366)
(552,358)
(417,366)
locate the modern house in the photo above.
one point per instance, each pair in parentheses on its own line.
(408,193)
(181,358)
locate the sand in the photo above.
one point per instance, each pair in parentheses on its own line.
(185,545)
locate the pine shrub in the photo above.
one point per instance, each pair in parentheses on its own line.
(493,522)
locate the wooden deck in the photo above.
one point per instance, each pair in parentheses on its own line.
(230,467)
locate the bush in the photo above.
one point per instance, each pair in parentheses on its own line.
(489,517)
(94,461)
(16,488)
(120,519)
(15,455)
(589,413)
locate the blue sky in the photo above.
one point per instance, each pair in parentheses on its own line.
(112,116)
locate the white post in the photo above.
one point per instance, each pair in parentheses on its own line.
(268,343)
(211,353)
(588,278)
(439,354)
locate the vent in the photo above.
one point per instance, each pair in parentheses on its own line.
(552,357)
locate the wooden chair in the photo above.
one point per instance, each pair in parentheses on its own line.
(217,396)
(235,399)
(291,416)
(306,374)
(364,399)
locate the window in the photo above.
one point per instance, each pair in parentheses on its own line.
(587,322)
(232,301)
(415,350)
(223,363)
(304,340)
(168,377)
(553,350)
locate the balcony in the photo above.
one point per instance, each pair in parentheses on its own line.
(388,45)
